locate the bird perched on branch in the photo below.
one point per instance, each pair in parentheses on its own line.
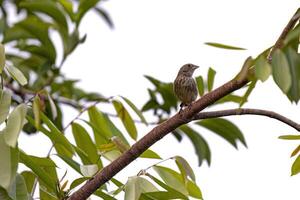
(185,87)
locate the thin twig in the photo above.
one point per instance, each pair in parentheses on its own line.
(280,41)
(247,111)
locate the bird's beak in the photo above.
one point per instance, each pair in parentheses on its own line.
(195,67)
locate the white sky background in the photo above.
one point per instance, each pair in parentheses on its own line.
(157,37)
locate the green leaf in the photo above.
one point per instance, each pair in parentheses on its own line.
(4,195)
(85,143)
(68,7)
(29,178)
(199,143)
(2,57)
(184,167)
(225,129)
(18,190)
(9,162)
(46,7)
(36,107)
(290,137)
(5,101)
(250,88)
(77,182)
(103,195)
(296,166)
(84,6)
(61,143)
(262,69)
(125,118)
(223,46)
(150,154)
(210,78)
(295,151)
(294,63)
(72,163)
(89,170)
(14,125)
(281,71)
(102,13)
(200,85)
(38,170)
(135,109)
(175,192)
(16,74)
(135,186)
(231,98)
(52,106)
(173,179)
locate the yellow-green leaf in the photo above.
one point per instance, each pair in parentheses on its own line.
(281,71)
(5,100)
(2,57)
(136,185)
(296,166)
(262,69)
(16,74)
(126,119)
(14,125)
(223,46)
(135,109)
(36,107)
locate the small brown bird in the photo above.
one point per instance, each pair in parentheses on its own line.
(185,87)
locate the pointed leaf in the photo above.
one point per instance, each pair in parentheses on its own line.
(223,46)
(16,74)
(184,167)
(281,71)
(126,119)
(262,69)
(9,162)
(18,190)
(210,79)
(84,142)
(225,129)
(200,85)
(88,170)
(29,178)
(251,86)
(5,100)
(36,107)
(173,179)
(178,194)
(38,170)
(296,151)
(57,136)
(296,166)
(135,109)
(2,57)
(72,163)
(52,106)
(135,186)
(290,137)
(150,154)
(199,143)
(77,182)
(14,125)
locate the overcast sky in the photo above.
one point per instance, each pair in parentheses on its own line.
(157,37)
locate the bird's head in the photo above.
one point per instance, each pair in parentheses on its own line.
(187,70)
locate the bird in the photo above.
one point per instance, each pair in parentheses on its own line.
(184,86)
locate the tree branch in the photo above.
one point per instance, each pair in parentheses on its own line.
(247,111)
(280,41)
(153,136)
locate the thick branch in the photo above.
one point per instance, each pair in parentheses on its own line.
(247,111)
(153,136)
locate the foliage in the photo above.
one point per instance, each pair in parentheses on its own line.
(35,90)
